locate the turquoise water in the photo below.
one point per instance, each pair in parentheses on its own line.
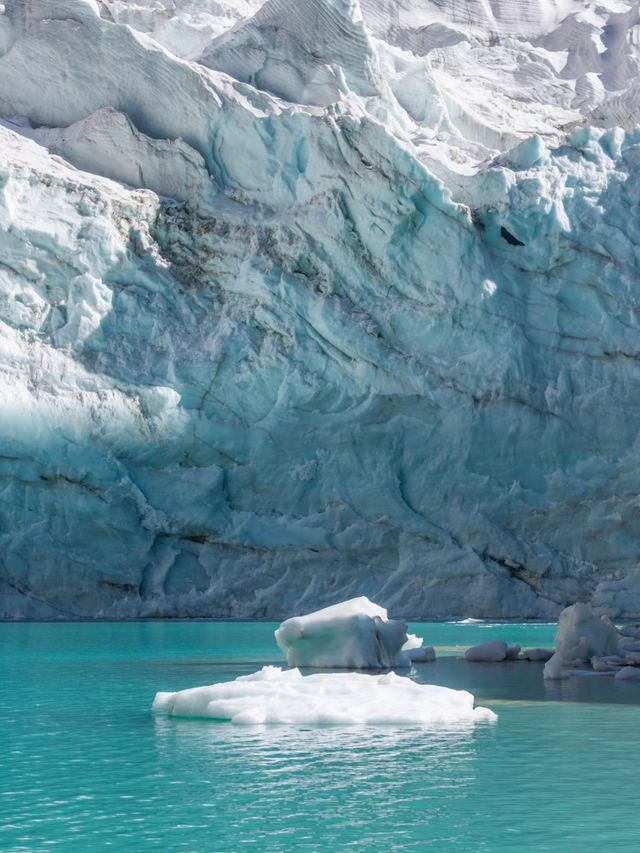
(85,766)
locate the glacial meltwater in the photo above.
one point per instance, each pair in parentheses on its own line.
(86,766)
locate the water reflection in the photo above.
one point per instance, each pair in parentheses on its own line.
(202,734)
(337,782)
(88,767)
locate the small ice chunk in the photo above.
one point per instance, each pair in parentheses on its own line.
(413,642)
(553,669)
(286,697)
(355,634)
(424,654)
(538,654)
(492,651)
(513,651)
(583,635)
(628,673)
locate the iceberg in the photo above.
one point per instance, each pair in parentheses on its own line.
(355,634)
(554,670)
(274,696)
(538,654)
(493,651)
(423,654)
(583,638)
(582,635)
(592,643)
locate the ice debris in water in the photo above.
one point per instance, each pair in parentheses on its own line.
(538,654)
(355,634)
(423,654)
(628,673)
(286,697)
(553,670)
(493,651)
(582,634)
(594,645)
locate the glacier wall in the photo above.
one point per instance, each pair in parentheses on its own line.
(307,300)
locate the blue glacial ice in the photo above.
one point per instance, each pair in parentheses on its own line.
(359,318)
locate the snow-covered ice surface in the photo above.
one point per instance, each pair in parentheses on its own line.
(355,634)
(307,300)
(286,697)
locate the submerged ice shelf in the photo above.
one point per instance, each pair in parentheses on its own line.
(284,322)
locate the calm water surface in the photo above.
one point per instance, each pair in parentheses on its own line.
(85,766)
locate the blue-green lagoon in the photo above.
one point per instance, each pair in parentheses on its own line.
(86,766)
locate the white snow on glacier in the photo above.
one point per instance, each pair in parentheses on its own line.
(286,697)
(307,300)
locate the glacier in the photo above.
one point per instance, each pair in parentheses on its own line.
(307,300)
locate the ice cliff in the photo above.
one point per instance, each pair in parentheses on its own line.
(318,298)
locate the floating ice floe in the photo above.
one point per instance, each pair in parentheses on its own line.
(537,654)
(355,634)
(286,697)
(553,670)
(496,651)
(493,651)
(423,654)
